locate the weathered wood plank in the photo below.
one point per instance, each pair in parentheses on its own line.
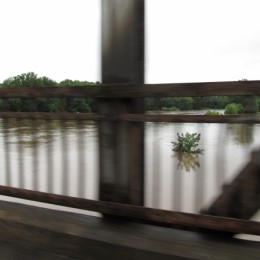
(52,116)
(232,119)
(121,143)
(40,232)
(149,215)
(227,88)
(243,119)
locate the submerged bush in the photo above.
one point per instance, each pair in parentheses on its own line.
(213,113)
(170,109)
(187,143)
(234,109)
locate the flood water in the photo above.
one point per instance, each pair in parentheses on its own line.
(191,182)
(61,157)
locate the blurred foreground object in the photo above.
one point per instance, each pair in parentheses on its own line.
(121,143)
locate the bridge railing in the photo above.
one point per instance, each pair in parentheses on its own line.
(74,133)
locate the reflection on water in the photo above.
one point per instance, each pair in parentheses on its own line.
(61,157)
(27,133)
(50,156)
(167,185)
(242,134)
(187,161)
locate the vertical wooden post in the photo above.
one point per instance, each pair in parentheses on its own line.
(251,105)
(121,143)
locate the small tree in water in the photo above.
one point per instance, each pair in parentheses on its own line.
(187,143)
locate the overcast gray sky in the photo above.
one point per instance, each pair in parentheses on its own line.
(186,40)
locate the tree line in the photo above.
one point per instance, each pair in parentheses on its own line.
(73,105)
(240,103)
(86,105)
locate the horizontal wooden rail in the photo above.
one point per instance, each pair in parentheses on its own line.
(238,119)
(182,118)
(52,116)
(228,88)
(149,215)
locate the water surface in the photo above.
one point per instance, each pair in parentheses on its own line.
(61,157)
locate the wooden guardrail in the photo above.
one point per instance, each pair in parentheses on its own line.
(108,91)
(138,213)
(155,216)
(225,88)
(238,119)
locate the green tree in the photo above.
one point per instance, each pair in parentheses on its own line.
(83,105)
(216,102)
(233,109)
(78,105)
(29,79)
(182,103)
